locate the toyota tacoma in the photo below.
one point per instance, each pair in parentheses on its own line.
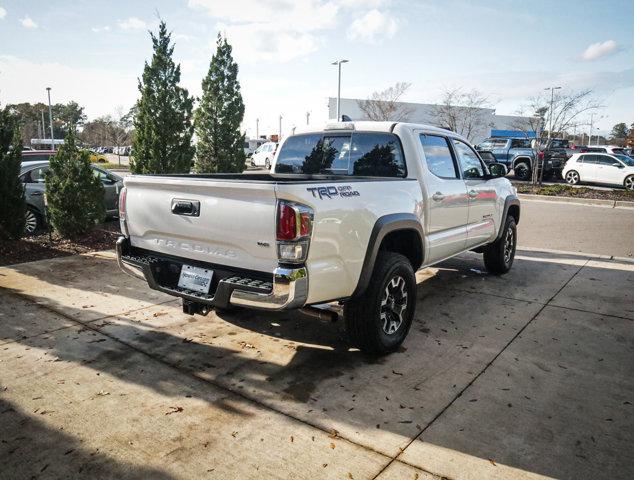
(348,213)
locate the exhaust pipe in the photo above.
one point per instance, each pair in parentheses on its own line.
(321,314)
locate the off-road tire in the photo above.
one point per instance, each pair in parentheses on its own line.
(498,256)
(368,316)
(522,171)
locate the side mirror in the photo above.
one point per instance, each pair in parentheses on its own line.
(497,170)
(617,165)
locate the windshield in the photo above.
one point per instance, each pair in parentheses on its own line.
(629,161)
(559,144)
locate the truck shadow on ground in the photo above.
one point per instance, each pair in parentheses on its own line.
(27,446)
(320,378)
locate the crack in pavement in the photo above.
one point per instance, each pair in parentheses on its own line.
(461,392)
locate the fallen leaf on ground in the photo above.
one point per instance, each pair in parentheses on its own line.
(174,410)
(332,445)
(492,462)
(103,393)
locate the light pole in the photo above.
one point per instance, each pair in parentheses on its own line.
(257,128)
(550,110)
(307,118)
(50,117)
(338,63)
(280,136)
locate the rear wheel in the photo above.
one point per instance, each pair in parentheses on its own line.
(629,183)
(572,177)
(378,321)
(498,257)
(33,223)
(267,164)
(522,171)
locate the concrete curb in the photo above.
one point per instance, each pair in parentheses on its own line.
(579,201)
(589,256)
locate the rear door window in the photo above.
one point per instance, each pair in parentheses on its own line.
(438,156)
(373,154)
(520,143)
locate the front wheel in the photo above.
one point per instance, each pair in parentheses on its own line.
(267,164)
(33,222)
(522,171)
(629,183)
(378,321)
(498,257)
(572,177)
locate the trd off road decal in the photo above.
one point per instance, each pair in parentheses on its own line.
(332,191)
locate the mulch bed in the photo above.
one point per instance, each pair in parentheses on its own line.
(558,190)
(38,247)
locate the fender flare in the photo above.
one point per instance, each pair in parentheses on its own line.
(509,201)
(523,158)
(382,227)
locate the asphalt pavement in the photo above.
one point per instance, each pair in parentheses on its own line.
(572,227)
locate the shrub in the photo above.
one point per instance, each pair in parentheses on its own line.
(73,193)
(12,203)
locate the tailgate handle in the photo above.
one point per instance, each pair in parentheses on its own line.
(189,208)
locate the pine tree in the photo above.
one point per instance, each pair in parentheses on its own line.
(163,124)
(12,203)
(220,143)
(74,194)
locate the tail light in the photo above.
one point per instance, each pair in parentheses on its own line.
(294,227)
(123,194)
(540,155)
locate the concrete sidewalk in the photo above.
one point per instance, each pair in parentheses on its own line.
(519,376)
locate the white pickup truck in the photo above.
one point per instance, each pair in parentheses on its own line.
(348,213)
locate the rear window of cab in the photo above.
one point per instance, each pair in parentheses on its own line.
(372,154)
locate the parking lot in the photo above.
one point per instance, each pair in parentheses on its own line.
(519,376)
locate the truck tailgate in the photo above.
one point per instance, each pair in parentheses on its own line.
(235,225)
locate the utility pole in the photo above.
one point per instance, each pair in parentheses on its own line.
(257,128)
(591,125)
(550,110)
(50,118)
(307,118)
(338,63)
(43,125)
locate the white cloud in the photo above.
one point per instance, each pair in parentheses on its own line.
(132,23)
(105,28)
(27,22)
(372,26)
(600,49)
(281,30)
(26,81)
(3,13)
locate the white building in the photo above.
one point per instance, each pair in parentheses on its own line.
(489,123)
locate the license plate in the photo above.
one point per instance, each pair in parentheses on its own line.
(195,278)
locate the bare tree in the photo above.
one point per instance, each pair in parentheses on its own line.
(462,112)
(384,105)
(567,108)
(530,121)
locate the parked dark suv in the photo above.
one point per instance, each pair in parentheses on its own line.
(35,164)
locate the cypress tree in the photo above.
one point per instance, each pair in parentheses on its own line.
(12,202)
(219,115)
(74,194)
(163,124)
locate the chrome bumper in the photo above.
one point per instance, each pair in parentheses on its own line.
(289,287)
(290,290)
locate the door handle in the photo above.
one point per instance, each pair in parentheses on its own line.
(438,197)
(473,194)
(36,194)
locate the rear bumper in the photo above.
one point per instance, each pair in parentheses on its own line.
(288,288)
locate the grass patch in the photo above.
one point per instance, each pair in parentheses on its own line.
(112,166)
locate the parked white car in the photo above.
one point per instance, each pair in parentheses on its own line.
(611,149)
(348,214)
(600,168)
(263,156)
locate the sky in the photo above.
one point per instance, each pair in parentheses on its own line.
(93,51)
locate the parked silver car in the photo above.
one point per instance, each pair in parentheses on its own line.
(33,174)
